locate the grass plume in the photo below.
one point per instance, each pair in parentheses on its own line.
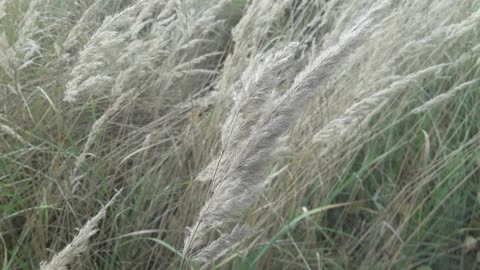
(79,244)
(239,178)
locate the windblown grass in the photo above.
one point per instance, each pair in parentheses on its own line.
(324,136)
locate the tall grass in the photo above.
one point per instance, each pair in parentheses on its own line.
(284,134)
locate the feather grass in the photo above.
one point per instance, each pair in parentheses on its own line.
(238,179)
(79,244)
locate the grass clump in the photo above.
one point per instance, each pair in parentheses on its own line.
(284,134)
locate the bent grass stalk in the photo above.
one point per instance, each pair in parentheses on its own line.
(443,97)
(358,112)
(94,131)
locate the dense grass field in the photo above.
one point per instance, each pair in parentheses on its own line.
(240,134)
